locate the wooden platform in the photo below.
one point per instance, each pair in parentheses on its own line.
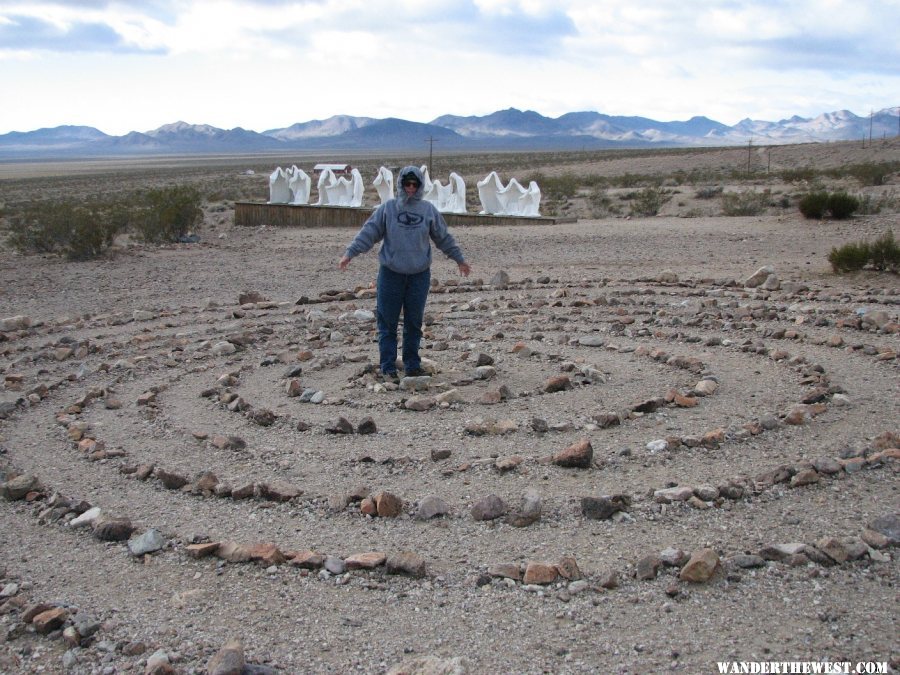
(252,214)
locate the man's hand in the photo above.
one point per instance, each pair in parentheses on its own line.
(344,262)
(464,268)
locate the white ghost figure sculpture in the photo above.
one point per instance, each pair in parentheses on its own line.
(511,200)
(346,191)
(299,184)
(488,189)
(449,198)
(384,184)
(326,180)
(279,192)
(531,201)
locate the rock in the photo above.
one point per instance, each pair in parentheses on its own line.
(700,567)
(233,552)
(406,562)
(488,508)
(158,664)
(608,580)
(603,508)
(529,511)
(483,359)
(420,403)
(706,387)
(759,277)
(648,567)
(490,427)
(86,519)
(747,561)
(504,464)
(170,479)
(149,542)
(228,442)
(658,445)
(888,526)
(568,569)
(11,323)
(540,573)
(310,560)
(340,426)
(334,565)
(579,455)
(49,620)
(500,280)
(203,550)
(366,426)
(484,373)
(279,491)
(113,529)
(834,548)
(388,505)
(365,561)
(432,507)
(438,454)
(673,557)
(557,383)
(707,493)
(229,660)
(673,494)
(804,477)
(506,571)
(263,417)
(17,488)
(780,552)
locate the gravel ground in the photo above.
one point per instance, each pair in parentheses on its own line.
(636,287)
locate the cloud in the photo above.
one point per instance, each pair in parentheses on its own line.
(29,33)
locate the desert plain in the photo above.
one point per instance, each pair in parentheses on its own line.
(634,454)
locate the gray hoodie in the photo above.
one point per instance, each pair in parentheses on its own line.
(405,225)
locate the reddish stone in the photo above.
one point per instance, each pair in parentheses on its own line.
(579,455)
(540,573)
(201,550)
(388,505)
(50,620)
(365,561)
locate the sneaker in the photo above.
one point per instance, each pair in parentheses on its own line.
(389,377)
(415,372)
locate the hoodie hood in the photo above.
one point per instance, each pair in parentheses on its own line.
(401,193)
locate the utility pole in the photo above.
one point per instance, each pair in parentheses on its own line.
(431,140)
(749,149)
(871,117)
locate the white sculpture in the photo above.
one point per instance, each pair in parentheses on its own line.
(299,184)
(279,192)
(449,198)
(511,200)
(384,184)
(326,179)
(340,191)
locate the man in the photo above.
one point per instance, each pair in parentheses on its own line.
(405,225)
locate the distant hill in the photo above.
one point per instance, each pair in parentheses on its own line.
(509,129)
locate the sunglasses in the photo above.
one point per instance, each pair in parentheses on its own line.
(410,182)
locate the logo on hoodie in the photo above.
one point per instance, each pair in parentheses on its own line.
(409,219)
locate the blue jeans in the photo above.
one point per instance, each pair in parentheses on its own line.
(396,292)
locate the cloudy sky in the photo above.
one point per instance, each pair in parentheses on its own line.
(126,65)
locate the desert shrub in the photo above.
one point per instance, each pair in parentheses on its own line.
(871,173)
(841,205)
(167,214)
(814,204)
(748,203)
(601,203)
(78,231)
(887,201)
(849,257)
(708,192)
(884,252)
(648,202)
(798,175)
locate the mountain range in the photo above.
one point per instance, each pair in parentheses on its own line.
(509,129)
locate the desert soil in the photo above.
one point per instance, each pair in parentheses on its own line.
(125,374)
